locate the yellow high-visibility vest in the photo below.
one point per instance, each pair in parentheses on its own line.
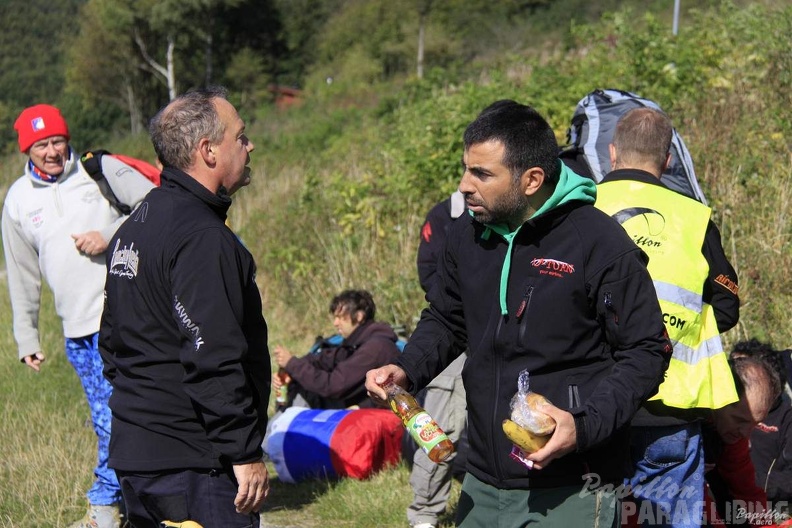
(670,229)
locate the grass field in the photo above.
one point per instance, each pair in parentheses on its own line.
(49,451)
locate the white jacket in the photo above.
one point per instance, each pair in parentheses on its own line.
(38,221)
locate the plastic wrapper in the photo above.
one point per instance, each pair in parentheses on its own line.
(526,408)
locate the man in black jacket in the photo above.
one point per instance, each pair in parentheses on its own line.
(535,279)
(182,335)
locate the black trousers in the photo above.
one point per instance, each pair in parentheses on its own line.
(203,496)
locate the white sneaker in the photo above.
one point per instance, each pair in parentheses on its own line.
(423,525)
(100,517)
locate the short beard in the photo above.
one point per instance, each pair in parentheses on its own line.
(508,209)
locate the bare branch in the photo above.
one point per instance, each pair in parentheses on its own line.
(153,64)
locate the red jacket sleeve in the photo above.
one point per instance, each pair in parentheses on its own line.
(735,467)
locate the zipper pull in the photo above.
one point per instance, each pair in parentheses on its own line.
(526,300)
(608,301)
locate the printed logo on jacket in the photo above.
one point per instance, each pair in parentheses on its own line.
(36,217)
(125,261)
(553,267)
(766,428)
(187,323)
(653,226)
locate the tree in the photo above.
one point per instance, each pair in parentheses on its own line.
(144,52)
(31,62)
(424,7)
(303,21)
(103,65)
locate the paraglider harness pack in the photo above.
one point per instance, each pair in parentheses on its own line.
(92,162)
(591,131)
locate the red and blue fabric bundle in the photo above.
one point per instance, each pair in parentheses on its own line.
(313,443)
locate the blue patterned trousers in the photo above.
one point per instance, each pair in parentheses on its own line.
(83,354)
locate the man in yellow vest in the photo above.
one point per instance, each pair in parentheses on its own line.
(697,290)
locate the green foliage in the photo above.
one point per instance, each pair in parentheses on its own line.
(353,72)
(302,23)
(8,139)
(91,123)
(365,177)
(341,184)
(32,63)
(363,25)
(197,42)
(247,81)
(107,76)
(43,427)
(425,142)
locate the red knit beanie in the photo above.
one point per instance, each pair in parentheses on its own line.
(39,122)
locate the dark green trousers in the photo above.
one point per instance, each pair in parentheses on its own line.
(484,506)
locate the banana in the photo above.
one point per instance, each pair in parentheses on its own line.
(523,438)
(183,524)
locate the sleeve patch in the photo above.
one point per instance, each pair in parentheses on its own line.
(727,283)
(426,232)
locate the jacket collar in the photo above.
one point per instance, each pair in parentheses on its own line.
(571,191)
(632,175)
(219,203)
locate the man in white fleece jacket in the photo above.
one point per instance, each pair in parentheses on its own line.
(56,225)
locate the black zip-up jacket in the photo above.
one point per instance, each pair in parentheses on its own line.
(583,319)
(771,451)
(433,235)
(183,338)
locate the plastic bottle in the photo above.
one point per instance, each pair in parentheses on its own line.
(283,392)
(422,427)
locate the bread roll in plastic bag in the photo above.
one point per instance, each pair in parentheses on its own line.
(526,408)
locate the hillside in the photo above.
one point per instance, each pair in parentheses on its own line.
(343,188)
(341,183)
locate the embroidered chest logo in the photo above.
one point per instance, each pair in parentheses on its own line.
(187,323)
(36,217)
(766,428)
(552,267)
(125,261)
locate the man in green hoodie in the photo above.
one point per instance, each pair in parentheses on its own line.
(537,284)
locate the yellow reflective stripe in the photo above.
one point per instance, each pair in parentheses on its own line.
(699,374)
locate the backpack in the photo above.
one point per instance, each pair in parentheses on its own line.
(336,339)
(92,162)
(591,131)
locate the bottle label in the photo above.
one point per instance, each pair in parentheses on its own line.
(425,431)
(283,394)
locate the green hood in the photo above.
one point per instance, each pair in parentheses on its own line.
(570,187)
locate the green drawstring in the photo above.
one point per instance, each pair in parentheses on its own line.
(508,236)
